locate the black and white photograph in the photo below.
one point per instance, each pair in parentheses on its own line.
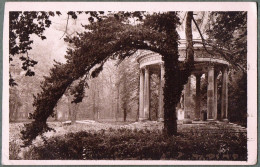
(129,83)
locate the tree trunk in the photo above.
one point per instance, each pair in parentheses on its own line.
(171,94)
(55,114)
(117,102)
(94,105)
(175,78)
(97,106)
(125,114)
(69,108)
(73,112)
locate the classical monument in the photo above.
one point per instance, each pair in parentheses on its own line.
(209,65)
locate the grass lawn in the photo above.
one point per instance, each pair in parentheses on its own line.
(94,140)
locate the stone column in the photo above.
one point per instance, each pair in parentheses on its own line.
(224,95)
(210,94)
(146,93)
(187,102)
(161,103)
(215,113)
(198,98)
(141,96)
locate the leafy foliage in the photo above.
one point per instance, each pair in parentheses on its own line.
(78,91)
(14,150)
(21,26)
(96,71)
(229,32)
(125,144)
(11,81)
(237,98)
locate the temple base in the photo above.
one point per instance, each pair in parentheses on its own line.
(212,121)
(160,120)
(187,121)
(196,119)
(225,120)
(143,119)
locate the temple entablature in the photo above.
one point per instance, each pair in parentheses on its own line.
(201,55)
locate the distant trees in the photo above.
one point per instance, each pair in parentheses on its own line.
(128,84)
(14,104)
(95,85)
(21,96)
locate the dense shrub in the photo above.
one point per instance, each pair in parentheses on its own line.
(237,101)
(14,150)
(143,144)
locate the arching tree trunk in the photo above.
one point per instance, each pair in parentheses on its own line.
(123,40)
(44,110)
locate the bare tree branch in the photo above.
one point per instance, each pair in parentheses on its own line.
(65,32)
(220,51)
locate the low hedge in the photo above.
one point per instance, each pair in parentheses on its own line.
(143,144)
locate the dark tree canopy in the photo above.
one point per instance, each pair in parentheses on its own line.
(21,26)
(113,37)
(228,31)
